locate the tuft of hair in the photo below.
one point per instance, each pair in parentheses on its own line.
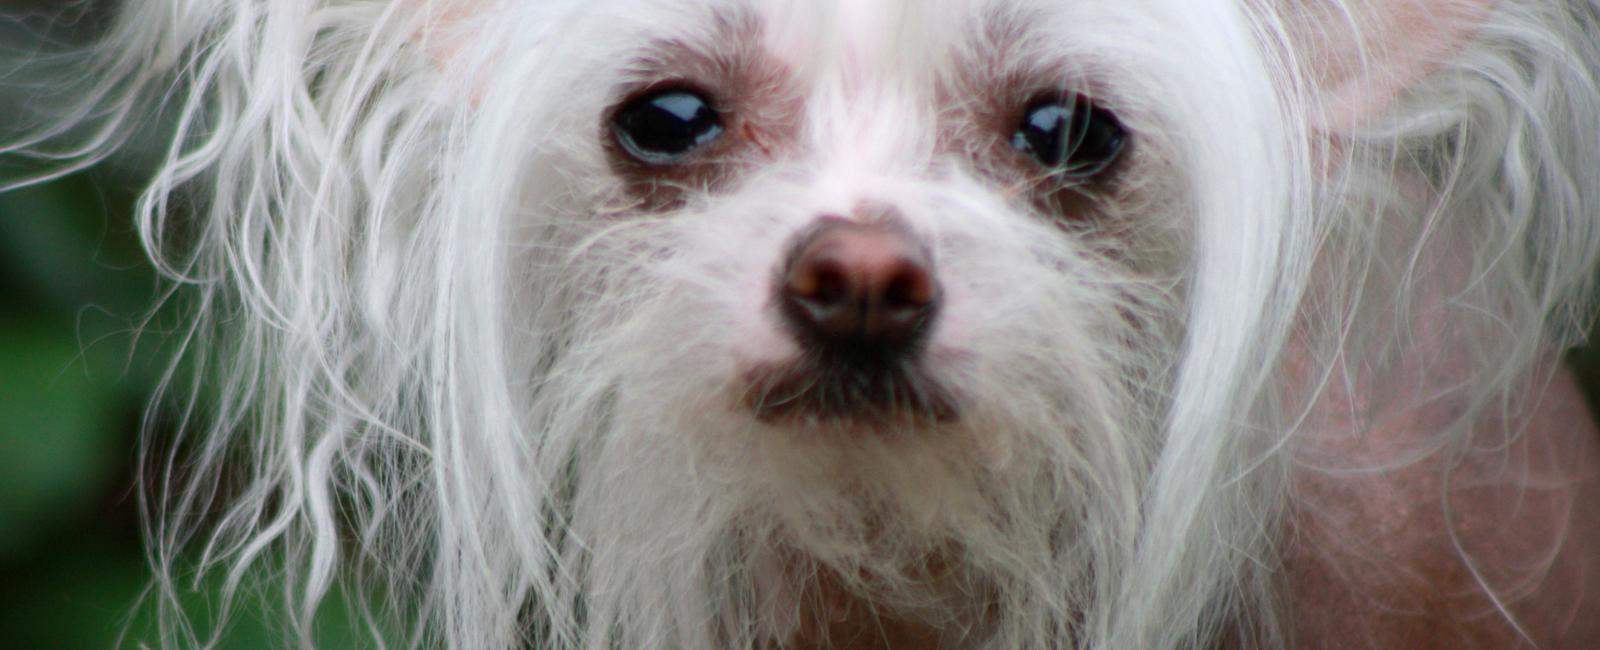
(398,393)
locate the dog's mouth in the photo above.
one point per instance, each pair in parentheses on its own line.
(816,391)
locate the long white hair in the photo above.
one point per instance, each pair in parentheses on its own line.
(413,376)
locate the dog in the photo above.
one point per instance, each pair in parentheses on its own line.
(990,324)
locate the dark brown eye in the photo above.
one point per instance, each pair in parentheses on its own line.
(1071,136)
(663,127)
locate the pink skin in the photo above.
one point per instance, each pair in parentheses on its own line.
(1391,543)
(1407,557)
(1372,563)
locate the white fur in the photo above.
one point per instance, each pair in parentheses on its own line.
(458,369)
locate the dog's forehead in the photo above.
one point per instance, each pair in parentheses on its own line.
(886,39)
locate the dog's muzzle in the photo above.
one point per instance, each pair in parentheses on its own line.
(860,300)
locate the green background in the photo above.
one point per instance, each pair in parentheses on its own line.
(78,360)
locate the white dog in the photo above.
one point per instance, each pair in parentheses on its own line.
(1034,324)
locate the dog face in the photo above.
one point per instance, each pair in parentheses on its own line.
(751,323)
(825,267)
(843,292)
(850,288)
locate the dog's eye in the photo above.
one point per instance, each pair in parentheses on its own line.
(661,128)
(1070,136)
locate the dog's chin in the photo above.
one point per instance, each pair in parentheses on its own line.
(834,440)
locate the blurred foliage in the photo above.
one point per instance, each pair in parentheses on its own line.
(70,398)
(66,405)
(78,363)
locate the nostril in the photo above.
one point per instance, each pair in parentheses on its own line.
(867,288)
(819,280)
(911,288)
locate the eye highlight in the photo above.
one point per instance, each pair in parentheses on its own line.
(1069,136)
(665,126)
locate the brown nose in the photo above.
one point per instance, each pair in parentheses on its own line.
(865,291)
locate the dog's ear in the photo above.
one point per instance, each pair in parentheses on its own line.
(1362,54)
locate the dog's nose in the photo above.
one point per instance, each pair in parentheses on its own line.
(863,290)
